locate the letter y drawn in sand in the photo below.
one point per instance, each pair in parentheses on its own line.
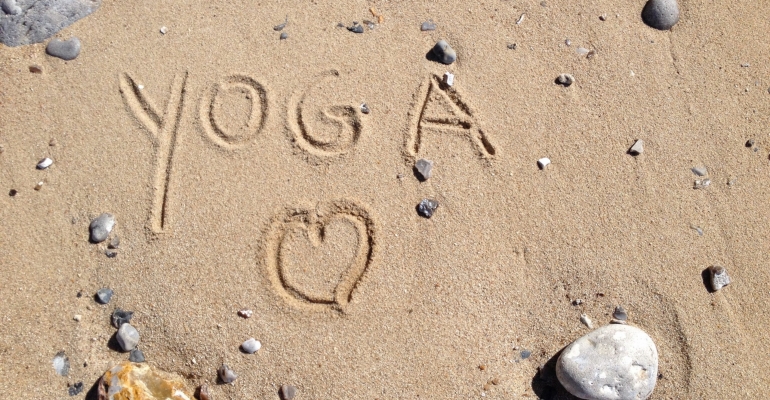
(163,133)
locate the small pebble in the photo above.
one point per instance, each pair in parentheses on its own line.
(365,108)
(700,171)
(719,277)
(444,53)
(136,356)
(282,25)
(128,337)
(35,69)
(567,42)
(163,30)
(101,227)
(543,162)
(12,192)
(565,80)
(701,184)
(288,392)
(114,243)
(226,374)
(577,302)
(77,317)
(203,392)
(427,207)
(697,229)
(245,313)
(75,389)
(104,295)
(10,7)
(449,79)
(356,28)
(525,354)
(120,317)
(745,65)
(251,346)
(38,186)
(637,148)
(586,321)
(581,51)
(428,26)
(284,36)
(750,143)
(511,46)
(66,50)
(661,14)
(61,363)
(111,253)
(619,316)
(44,163)
(424,169)
(603,17)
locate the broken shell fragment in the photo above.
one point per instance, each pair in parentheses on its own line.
(131,381)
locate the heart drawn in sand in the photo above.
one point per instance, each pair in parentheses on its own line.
(315,258)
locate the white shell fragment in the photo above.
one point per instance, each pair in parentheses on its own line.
(251,346)
(614,362)
(44,163)
(719,277)
(449,79)
(543,162)
(586,321)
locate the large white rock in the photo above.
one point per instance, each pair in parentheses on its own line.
(614,362)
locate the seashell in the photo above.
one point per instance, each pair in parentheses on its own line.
(131,381)
(128,337)
(226,374)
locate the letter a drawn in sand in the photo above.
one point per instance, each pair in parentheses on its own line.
(440,110)
(163,133)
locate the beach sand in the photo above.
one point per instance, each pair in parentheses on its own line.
(255,182)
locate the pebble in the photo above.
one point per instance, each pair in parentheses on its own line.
(365,108)
(282,25)
(104,295)
(135,381)
(586,321)
(30,21)
(44,163)
(13,192)
(163,30)
(75,389)
(615,362)
(427,207)
(251,346)
(424,169)
(114,243)
(65,49)
(444,53)
(245,313)
(428,26)
(449,79)
(101,227)
(750,143)
(700,171)
(61,364)
(719,277)
(203,392)
(543,162)
(226,374)
(511,46)
(288,392)
(120,317)
(35,69)
(111,253)
(284,36)
(356,28)
(525,354)
(136,356)
(128,337)
(661,14)
(77,317)
(637,148)
(39,186)
(701,184)
(619,316)
(565,80)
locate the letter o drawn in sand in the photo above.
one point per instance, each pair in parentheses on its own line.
(315,258)
(326,131)
(234,111)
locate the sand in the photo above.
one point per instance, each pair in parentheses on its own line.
(243,175)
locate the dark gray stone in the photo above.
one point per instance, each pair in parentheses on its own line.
(444,53)
(356,28)
(288,392)
(661,14)
(75,389)
(428,26)
(104,295)
(282,25)
(65,49)
(565,80)
(33,21)
(284,36)
(120,317)
(136,356)
(101,227)
(619,316)
(427,207)
(525,354)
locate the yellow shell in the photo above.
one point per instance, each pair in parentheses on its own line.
(133,381)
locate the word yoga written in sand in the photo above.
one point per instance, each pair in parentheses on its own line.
(321,133)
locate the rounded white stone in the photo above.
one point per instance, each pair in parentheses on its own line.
(128,337)
(614,362)
(251,346)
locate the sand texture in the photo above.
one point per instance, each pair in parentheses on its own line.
(243,175)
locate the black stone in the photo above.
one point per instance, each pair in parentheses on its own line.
(427,207)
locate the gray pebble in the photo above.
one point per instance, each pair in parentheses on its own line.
(226,374)
(565,80)
(75,389)
(33,21)
(251,346)
(282,25)
(661,14)
(423,168)
(719,277)
(427,207)
(619,316)
(114,243)
(525,354)
(428,26)
(700,171)
(128,337)
(356,28)
(101,227)
(111,253)
(365,108)
(120,317)
(637,148)
(104,295)
(136,356)
(444,53)
(61,363)
(284,36)
(288,392)
(64,49)
(512,46)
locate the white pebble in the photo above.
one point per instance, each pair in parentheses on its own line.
(543,162)
(586,321)
(251,346)
(245,313)
(44,163)
(449,79)
(163,30)
(77,317)
(719,277)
